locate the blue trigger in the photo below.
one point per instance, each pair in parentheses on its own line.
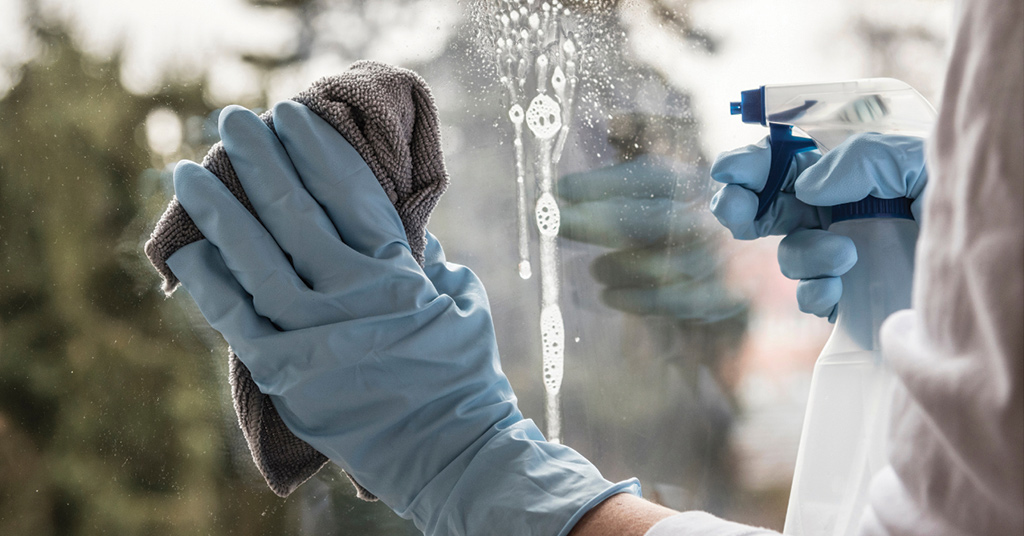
(784,146)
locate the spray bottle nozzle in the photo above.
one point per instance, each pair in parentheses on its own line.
(750,106)
(784,146)
(829,113)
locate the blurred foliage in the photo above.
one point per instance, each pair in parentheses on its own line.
(113,418)
(109,423)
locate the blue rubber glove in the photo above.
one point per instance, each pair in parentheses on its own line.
(662,261)
(390,370)
(885,166)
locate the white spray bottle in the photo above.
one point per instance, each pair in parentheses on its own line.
(845,431)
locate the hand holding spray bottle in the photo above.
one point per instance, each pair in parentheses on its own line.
(844,438)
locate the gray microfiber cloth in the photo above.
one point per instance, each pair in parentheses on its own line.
(389,117)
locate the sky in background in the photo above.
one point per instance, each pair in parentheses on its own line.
(759,42)
(783,42)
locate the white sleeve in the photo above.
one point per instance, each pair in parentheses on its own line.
(957,434)
(703,524)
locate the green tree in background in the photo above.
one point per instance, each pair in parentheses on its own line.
(110,422)
(114,417)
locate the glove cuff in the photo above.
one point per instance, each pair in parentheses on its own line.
(515,480)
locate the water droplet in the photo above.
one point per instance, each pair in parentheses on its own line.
(525,270)
(558,80)
(515,114)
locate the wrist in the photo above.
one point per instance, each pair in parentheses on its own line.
(622,515)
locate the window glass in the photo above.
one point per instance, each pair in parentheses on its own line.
(685,361)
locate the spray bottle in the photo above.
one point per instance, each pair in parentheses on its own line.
(845,431)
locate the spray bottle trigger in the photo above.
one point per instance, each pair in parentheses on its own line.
(784,146)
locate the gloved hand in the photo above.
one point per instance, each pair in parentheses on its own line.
(390,370)
(885,166)
(663,261)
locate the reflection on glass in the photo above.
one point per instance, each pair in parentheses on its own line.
(682,365)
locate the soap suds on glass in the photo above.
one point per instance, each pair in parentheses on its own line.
(537,55)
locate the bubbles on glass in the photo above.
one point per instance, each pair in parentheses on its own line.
(548,216)
(515,114)
(544,117)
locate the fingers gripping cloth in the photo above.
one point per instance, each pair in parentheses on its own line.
(388,116)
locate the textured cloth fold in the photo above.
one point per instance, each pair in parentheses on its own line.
(389,117)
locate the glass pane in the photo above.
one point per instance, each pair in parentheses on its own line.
(686,362)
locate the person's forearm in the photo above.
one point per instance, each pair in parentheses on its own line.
(621,515)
